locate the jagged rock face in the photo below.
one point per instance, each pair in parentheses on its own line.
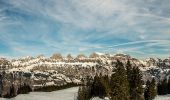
(40,71)
(81,57)
(94,55)
(11,83)
(69,57)
(57,56)
(167,62)
(41,56)
(28,58)
(151,62)
(4,64)
(122,56)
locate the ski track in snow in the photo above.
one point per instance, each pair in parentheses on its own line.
(65,94)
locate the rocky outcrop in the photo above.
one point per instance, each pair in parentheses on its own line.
(38,73)
(13,83)
(57,56)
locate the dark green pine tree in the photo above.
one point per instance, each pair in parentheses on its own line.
(98,87)
(153,89)
(12,91)
(119,83)
(147,90)
(162,87)
(102,87)
(136,84)
(129,70)
(105,82)
(83,93)
(95,86)
(168,86)
(129,77)
(150,90)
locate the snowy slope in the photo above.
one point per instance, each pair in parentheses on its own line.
(66,94)
(163,97)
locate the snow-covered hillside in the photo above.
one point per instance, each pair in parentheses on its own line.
(163,97)
(41,71)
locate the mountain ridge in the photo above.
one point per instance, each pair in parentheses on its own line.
(38,72)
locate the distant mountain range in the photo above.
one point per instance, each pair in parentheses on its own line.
(38,72)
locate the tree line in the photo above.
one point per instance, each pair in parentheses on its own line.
(22,89)
(125,83)
(55,87)
(164,86)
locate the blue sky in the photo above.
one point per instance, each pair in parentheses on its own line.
(140,28)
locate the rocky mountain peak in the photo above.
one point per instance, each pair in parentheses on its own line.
(57,56)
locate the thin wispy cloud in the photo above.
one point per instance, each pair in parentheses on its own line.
(83,26)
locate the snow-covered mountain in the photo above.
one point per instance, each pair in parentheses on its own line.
(40,71)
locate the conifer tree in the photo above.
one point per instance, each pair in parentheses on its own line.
(153,89)
(134,76)
(102,86)
(150,90)
(129,76)
(164,84)
(105,82)
(80,94)
(136,84)
(168,86)
(12,91)
(162,87)
(119,83)
(95,86)
(98,88)
(147,90)
(129,70)
(83,93)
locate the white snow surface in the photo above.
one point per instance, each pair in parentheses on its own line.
(97,98)
(163,97)
(65,94)
(159,97)
(31,63)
